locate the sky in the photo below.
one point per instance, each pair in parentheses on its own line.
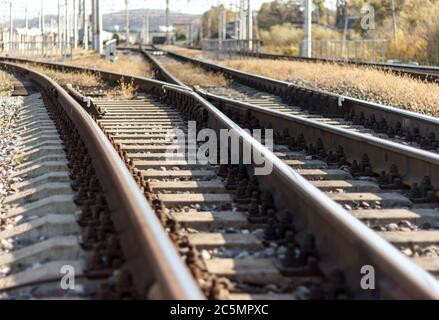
(51,6)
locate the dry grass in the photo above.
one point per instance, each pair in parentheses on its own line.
(359,82)
(124,91)
(183,51)
(87,80)
(6,85)
(82,79)
(192,75)
(133,63)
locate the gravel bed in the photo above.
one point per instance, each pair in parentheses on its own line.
(8,144)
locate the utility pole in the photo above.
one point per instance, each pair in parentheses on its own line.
(59,24)
(127,22)
(395,35)
(242,21)
(42,29)
(209,27)
(345,32)
(307,29)
(93,24)
(167,23)
(224,23)
(42,17)
(75,25)
(85,25)
(147,27)
(26,18)
(250,25)
(220,27)
(66,24)
(11,28)
(100,44)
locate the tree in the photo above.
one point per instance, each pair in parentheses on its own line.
(280,12)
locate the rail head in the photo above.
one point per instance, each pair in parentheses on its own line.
(424,71)
(161,70)
(408,119)
(127,202)
(413,163)
(349,239)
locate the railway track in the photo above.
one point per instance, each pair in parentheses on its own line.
(384,122)
(275,236)
(380,196)
(72,212)
(424,73)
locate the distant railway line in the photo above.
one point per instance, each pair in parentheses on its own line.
(421,72)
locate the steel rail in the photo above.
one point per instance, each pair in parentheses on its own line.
(161,72)
(343,240)
(150,254)
(325,103)
(392,149)
(413,163)
(422,72)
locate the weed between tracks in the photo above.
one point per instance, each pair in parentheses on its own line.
(130,63)
(89,83)
(193,75)
(124,91)
(359,82)
(83,79)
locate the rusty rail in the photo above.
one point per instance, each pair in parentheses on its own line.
(413,164)
(150,254)
(424,73)
(327,104)
(343,240)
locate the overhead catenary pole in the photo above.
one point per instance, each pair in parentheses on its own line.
(26,19)
(237,20)
(220,27)
(307,29)
(99,42)
(93,24)
(42,29)
(11,27)
(127,22)
(250,24)
(345,32)
(75,25)
(66,24)
(85,25)
(97,26)
(146,28)
(242,21)
(209,27)
(167,23)
(224,23)
(59,25)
